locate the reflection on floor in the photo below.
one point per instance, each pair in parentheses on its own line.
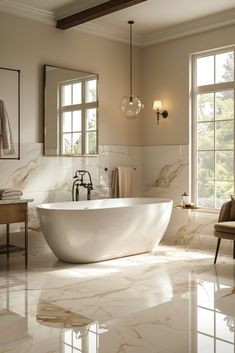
(173,301)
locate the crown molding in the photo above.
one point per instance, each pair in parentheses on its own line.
(109,33)
(199,25)
(26,11)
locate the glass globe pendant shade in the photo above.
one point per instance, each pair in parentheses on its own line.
(131,106)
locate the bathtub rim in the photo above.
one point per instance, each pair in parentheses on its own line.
(59,205)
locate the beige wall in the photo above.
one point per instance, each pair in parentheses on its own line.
(166,77)
(160,72)
(28,45)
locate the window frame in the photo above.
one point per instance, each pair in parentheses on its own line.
(196,90)
(83,107)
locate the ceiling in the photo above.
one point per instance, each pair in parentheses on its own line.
(151,17)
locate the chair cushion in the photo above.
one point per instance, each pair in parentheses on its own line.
(232,209)
(225,227)
(230,236)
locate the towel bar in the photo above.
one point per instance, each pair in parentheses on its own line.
(106,169)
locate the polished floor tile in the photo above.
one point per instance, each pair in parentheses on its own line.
(172,301)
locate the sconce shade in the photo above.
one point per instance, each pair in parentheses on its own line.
(131,106)
(157,105)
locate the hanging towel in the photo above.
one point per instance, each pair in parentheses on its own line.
(125,181)
(114,183)
(6,140)
(10,194)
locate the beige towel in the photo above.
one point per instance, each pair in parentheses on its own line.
(125,181)
(10,194)
(114,184)
(6,140)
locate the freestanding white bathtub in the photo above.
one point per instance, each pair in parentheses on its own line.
(91,231)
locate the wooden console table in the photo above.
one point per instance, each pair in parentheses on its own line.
(14,211)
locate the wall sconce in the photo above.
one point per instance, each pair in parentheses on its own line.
(157,107)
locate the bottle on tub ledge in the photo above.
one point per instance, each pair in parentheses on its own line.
(185,202)
(184,199)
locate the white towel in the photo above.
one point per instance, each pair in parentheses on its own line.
(11,197)
(125,181)
(6,140)
(10,194)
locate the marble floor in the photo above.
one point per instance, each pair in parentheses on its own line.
(171,301)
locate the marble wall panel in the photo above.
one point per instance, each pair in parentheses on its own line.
(49,179)
(167,175)
(158,171)
(113,156)
(166,171)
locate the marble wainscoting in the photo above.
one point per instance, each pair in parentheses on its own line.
(112,156)
(49,179)
(166,171)
(167,175)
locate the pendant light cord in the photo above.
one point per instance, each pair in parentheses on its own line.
(131,48)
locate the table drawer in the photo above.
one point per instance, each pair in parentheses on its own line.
(13,213)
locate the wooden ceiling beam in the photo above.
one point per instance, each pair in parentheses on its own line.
(94,12)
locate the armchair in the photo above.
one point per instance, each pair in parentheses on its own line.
(225,228)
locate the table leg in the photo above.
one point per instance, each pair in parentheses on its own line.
(8,241)
(26,242)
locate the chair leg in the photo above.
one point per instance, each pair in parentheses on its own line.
(217,250)
(234,249)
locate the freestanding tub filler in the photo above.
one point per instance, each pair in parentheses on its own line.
(91,231)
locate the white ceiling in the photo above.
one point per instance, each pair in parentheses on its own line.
(151,16)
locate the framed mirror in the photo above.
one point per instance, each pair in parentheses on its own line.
(9,113)
(70,112)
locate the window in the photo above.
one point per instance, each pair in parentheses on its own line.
(78,107)
(213,128)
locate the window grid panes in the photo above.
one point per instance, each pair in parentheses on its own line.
(213,147)
(78,117)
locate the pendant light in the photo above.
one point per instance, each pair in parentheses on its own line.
(131,105)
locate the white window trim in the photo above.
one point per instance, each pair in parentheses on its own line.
(204,89)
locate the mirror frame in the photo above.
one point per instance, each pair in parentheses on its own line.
(45,117)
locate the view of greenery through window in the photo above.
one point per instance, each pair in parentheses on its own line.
(214,97)
(78,110)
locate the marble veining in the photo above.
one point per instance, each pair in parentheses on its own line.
(49,179)
(168,173)
(19,178)
(191,231)
(171,301)
(161,171)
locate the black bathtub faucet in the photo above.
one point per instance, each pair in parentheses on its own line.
(81,177)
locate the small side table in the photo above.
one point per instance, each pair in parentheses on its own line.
(14,211)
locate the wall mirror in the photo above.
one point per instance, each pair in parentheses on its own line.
(70,112)
(9,113)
